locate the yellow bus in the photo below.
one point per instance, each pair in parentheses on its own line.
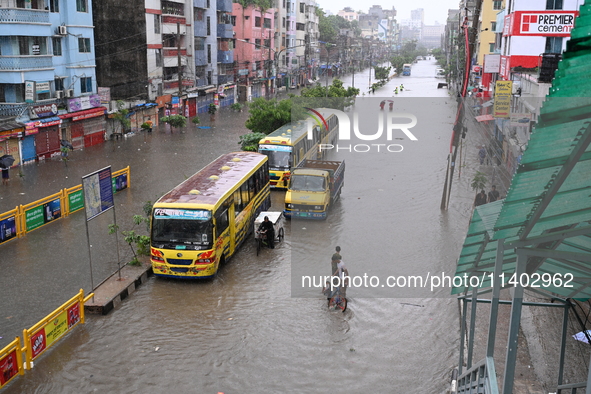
(288,146)
(200,224)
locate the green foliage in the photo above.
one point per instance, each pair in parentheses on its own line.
(334,96)
(196,120)
(479,181)
(329,26)
(139,244)
(267,116)
(212,109)
(146,125)
(382,73)
(250,141)
(236,107)
(175,120)
(120,116)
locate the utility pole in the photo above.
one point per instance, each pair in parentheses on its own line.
(178,53)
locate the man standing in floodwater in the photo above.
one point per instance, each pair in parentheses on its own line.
(336,257)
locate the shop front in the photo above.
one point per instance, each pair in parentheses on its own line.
(9,140)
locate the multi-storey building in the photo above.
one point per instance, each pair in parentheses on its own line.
(254,32)
(48,86)
(176,52)
(349,14)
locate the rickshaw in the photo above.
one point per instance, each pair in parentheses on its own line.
(274,217)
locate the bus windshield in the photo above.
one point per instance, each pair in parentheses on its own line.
(309,183)
(182,226)
(278,159)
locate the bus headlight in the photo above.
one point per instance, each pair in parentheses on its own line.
(159,259)
(289,206)
(203,261)
(318,207)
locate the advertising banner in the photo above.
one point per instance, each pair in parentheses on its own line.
(34,218)
(29,91)
(492,63)
(76,200)
(119,182)
(7,228)
(84,102)
(555,23)
(8,367)
(98,192)
(502,104)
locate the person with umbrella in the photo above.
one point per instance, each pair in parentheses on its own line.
(6,162)
(66,146)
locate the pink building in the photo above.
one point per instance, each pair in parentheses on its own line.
(253,51)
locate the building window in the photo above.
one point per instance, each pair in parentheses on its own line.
(170,8)
(54,6)
(233,20)
(209,53)
(156,24)
(267,43)
(207,4)
(58,83)
(30,45)
(158,56)
(86,85)
(81,6)
(283,3)
(267,23)
(83,45)
(284,23)
(257,21)
(491,47)
(300,26)
(209,26)
(199,43)
(493,26)
(497,5)
(257,43)
(553,4)
(302,8)
(553,45)
(198,14)
(57,46)
(282,41)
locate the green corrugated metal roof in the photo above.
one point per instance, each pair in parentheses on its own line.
(551,190)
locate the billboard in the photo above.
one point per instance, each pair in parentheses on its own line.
(98,192)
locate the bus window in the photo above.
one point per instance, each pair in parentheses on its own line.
(251,187)
(245,195)
(237,202)
(221,221)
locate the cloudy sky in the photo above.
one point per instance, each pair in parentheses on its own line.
(435,10)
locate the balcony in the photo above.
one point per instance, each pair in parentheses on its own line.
(225,56)
(201,57)
(22,63)
(199,3)
(225,30)
(22,15)
(224,5)
(225,78)
(200,29)
(16,109)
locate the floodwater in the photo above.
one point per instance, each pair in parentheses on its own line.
(255,328)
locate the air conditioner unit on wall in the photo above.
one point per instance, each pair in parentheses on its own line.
(59,94)
(70,93)
(62,30)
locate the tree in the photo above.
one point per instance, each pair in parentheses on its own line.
(267,116)
(121,117)
(141,242)
(325,27)
(479,181)
(334,96)
(382,73)
(250,141)
(175,121)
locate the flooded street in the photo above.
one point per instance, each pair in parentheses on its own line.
(256,328)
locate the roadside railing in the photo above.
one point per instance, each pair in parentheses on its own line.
(37,339)
(18,222)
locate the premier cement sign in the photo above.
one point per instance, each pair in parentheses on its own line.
(544,23)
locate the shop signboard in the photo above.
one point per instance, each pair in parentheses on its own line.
(502,102)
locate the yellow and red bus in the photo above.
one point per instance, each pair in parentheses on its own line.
(200,224)
(288,146)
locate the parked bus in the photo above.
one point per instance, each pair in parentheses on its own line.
(289,145)
(200,224)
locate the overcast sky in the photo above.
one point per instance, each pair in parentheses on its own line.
(435,10)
